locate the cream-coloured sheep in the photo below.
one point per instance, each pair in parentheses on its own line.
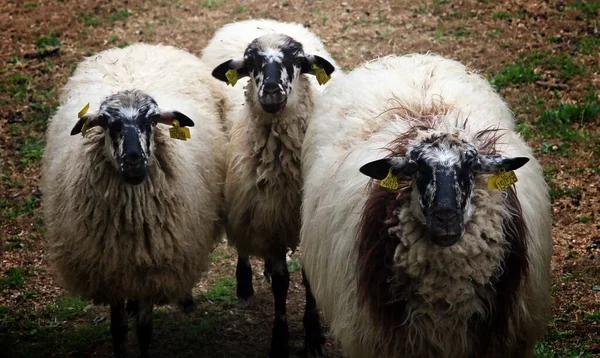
(268,112)
(427,262)
(132,213)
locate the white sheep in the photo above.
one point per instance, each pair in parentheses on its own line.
(132,213)
(429,261)
(267,122)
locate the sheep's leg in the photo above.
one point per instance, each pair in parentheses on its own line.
(118,328)
(144,327)
(186,303)
(132,307)
(280,282)
(268,271)
(314,340)
(243,275)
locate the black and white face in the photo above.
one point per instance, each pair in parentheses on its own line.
(273,62)
(443,170)
(129,119)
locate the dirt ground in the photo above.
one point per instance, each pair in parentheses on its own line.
(543,56)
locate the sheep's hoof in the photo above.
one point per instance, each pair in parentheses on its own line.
(244,293)
(187,305)
(315,349)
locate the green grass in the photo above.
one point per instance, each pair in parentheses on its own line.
(19,207)
(65,308)
(593,316)
(293,265)
(14,277)
(31,149)
(561,62)
(589,8)
(514,73)
(209,4)
(31,5)
(50,40)
(239,9)
(557,120)
(222,291)
(14,242)
(544,350)
(119,14)
(89,19)
(588,45)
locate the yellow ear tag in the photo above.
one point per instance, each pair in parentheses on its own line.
(232,77)
(502,180)
(390,182)
(177,132)
(322,76)
(80,114)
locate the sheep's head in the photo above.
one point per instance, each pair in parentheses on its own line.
(274,62)
(443,171)
(129,119)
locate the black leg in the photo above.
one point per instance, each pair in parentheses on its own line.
(243,275)
(314,340)
(186,303)
(268,270)
(144,327)
(279,285)
(132,308)
(118,328)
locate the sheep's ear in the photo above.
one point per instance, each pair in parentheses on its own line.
(92,120)
(237,67)
(167,117)
(490,164)
(319,62)
(379,169)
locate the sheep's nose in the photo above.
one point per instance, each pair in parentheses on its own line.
(271,88)
(446,215)
(133,158)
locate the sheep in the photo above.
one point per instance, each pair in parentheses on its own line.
(266,124)
(427,261)
(133,214)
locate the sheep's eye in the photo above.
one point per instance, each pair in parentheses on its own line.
(115,126)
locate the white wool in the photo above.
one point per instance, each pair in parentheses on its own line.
(353,122)
(111,240)
(264,149)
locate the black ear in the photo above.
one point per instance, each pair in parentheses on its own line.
(379,169)
(307,66)
(220,71)
(167,117)
(491,164)
(94,120)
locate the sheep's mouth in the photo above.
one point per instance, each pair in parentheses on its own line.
(135,175)
(445,240)
(445,236)
(273,103)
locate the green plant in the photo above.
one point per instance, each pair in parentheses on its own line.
(293,264)
(118,14)
(222,291)
(90,19)
(513,73)
(66,307)
(50,40)
(31,149)
(14,277)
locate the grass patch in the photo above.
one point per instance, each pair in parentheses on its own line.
(14,277)
(557,120)
(593,316)
(119,14)
(514,73)
(543,349)
(31,149)
(562,62)
(66,308)
(240,9)
(589,8)
(50,40)
(89,19)
(209,4)
(14,243)
(588,45)
(223,291)
(293,265)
